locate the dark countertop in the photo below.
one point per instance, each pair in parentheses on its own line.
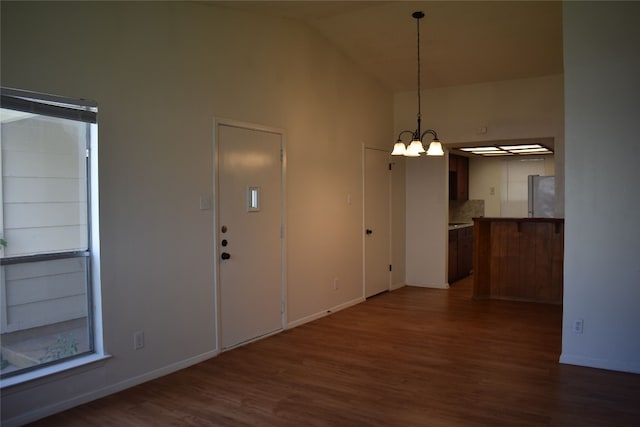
(498,219)
(457,225)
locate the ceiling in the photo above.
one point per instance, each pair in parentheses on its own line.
(462,42)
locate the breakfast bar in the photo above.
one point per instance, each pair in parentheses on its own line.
(518,259)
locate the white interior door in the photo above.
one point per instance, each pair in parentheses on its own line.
(377,276)
(250,260)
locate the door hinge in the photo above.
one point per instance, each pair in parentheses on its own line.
(390,267)
(390,166)
(86,153)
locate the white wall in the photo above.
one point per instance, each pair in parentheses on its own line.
(427,202)
(487,173)
(515,109)
(602,237)
(398,222)
(160,73)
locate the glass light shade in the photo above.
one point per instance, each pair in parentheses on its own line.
(399,149)
(415,148)
(435,149)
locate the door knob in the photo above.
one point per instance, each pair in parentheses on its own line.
(369,231)
(225,255)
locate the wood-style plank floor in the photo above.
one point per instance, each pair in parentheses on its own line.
(412,357)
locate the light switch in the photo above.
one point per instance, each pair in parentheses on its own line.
(205,203)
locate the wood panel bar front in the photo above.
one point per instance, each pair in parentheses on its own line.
(518,259)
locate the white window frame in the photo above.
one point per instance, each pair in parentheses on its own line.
(86,111)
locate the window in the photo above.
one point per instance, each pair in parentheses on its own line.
(49,264)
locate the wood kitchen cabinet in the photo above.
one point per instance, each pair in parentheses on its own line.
(458,178)
(465,251)
(453,256)
(460,253)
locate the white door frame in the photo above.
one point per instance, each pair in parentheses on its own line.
(364,225)
(218,121)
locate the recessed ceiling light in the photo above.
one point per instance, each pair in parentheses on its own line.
(520,147)
(531,150)
(491,153)
(507,150)
(474,149)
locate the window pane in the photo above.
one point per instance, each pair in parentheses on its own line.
(46,312)
(44,185)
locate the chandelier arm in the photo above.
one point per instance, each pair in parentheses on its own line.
(432,132)
(403,132)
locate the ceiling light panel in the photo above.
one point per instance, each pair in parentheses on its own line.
(531,150)
(507,150)
(474,149)
(520,147)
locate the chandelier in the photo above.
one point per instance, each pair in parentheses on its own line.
(415,147)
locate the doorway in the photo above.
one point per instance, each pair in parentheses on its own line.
(249,232)
(377,221)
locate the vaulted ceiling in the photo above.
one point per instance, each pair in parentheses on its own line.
(462,42)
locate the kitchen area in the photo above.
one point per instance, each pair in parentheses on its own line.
(503,225)
(526,111)
(461,214)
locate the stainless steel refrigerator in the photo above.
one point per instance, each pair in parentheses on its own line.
(542,196)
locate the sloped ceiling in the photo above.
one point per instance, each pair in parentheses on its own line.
(462,42)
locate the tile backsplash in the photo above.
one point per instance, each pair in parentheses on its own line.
(465,211)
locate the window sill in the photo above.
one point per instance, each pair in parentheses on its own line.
(49,373)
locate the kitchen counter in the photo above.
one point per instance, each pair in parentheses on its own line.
(457,225)
(518,259)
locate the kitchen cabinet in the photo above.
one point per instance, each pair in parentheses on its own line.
(460,253)
(458,178)
(465,251)
(453,255)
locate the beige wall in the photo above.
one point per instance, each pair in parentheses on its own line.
(161,72)
(484,175)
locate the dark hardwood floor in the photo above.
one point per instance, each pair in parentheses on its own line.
(412,357)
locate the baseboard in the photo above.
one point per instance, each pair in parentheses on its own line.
(324,313)
(610,365)
(46,411)
(422,285)
(397,286)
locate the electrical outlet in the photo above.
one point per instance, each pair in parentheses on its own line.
(138,340)
(577,326)
(335,283)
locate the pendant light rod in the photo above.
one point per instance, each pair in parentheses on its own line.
(415,148)
(418,16)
